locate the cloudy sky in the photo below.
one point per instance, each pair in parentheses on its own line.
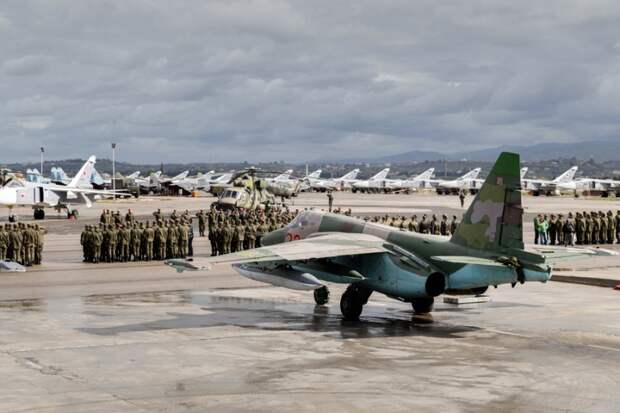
(302,80)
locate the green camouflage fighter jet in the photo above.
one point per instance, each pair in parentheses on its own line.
(318,247)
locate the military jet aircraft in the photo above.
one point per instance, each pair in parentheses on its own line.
(414,183)
(318,248)
(562,184)
(468,182)
(375,183)
(335,184)
(23,193)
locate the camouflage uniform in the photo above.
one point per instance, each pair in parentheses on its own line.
(4,243)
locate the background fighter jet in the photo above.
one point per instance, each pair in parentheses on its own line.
(317,247)
(336,184)
(40,196)
(563,183)
(375,183)
(468,182)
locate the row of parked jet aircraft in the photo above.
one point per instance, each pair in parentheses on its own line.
(61,192)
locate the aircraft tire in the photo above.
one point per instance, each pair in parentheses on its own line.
(423,305)
(321,295)
(353,300)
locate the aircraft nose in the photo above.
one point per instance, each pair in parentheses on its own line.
(274,237)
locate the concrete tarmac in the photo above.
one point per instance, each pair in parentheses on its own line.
(138,337)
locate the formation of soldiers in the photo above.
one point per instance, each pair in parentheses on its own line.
(433,226)
(22,243)
(118,239)
(581,228)
(237,230)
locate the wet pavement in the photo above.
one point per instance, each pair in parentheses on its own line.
(553,347)
(138,337)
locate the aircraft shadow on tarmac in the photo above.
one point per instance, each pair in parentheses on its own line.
(266,315)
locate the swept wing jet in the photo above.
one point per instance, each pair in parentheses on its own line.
(468,182)
(341,183)
(563,183)
(375,183)
(40,196)
(420,181)
(317,248)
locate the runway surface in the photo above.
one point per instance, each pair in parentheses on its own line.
(138,337)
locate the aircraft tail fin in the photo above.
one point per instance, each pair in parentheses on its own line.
(428,174)
(566,176)
(494,220)
(381,175)
(134,175)
(523,172)
(473,174)
(315,174)
(352,174)
(82,178)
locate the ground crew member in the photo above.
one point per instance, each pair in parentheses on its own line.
(553,230)
(462,197)
(559,229)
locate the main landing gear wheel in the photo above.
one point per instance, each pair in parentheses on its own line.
(353,300)
(39,214)
(321,295)
(423,305)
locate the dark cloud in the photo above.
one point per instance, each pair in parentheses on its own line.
(297,80)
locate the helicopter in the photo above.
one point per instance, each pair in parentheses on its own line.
(245,190)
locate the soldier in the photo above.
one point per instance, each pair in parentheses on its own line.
(150,238)
(174,217)
(330,200)
(4,243)
(39,243)
(462,197)
(240,235)
(213,229)
(173,236)
(443,225)
(413,224)
(579,228)
(618,227)
(228,237)
(453,225)
(568,230)
(537,222)
(190,239)
(183,240)
(84,240)
(113,243)
(158,215)
(587,231)
(157,242)
(129,218)
(201,223)
(434,226)
(611,227)
(596,228)
(553,230)
(96,242)
(424,225)
(16,244)
(559,229)
(250,235)
(127,242)
(602,235)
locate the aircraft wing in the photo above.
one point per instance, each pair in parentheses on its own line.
(558,254)
(59,188)
(323,246)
